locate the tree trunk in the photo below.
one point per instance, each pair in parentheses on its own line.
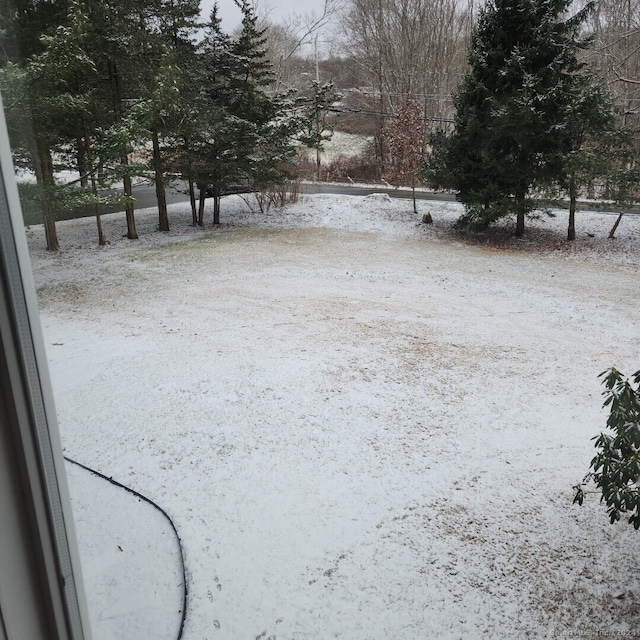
(519,215)
(612,233)
(380,26)
(81,157)
(381,132)
(83,145)
(114,77)
(318,162)
(132,233)
(49,218)
(163,218)
(43,164)
(571,231)
(520,224)
(192,200)
(94,188)
(101,239)
(318,126)
(203,193)
(190,181)
(216,205)
(413,193)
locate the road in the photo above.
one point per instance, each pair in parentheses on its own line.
(363,190)
(145,196)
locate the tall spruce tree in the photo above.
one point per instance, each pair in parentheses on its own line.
(314,109)
(237,132)
(595,145)
(127,51)
(44,101)
(269,151)
(179,24)
(517,109)
(207,152)
(159,110)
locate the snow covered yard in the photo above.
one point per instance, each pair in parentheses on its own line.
(364,427)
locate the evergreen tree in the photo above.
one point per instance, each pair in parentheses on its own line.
(43,102)
(178,29)
(159,111)
(208,153)
(517,109)
(267,158)
(594,143)
(153,117)
(179,22)
(615,469)
(192,133)
(22,24)
(126,48)
(314,111)
(251,72)
(238,133)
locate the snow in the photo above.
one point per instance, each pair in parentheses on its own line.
(361,425)
(340,144)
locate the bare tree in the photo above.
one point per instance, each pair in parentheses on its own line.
(616,27)
(287,39)
(408,47)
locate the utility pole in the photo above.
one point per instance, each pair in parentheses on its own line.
(318,114)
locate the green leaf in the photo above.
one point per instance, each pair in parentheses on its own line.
(615,469)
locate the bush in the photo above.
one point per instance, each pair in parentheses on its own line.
(276,195)
(616,468)
(357,168)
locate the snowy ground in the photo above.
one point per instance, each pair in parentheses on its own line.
(364,427)
(341,144)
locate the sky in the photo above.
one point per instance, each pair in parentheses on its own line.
(277,9)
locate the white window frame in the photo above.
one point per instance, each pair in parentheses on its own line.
(41,590)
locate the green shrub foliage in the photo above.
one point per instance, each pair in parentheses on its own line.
(616,468)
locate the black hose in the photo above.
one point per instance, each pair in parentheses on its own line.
(166,515)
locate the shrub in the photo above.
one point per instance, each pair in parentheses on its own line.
(616,468)
(356,168)
(276,195)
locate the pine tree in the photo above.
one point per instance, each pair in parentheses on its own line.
(514,114)
(125,45)
(22,24)
(313,113)
(43,102)
(251,71)
(179,24)
(271,125)
(594,143)
(238,133)
(160,108)
(212,142)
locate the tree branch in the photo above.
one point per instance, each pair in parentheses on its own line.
(628,80)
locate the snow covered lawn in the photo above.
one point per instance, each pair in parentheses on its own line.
(363,427)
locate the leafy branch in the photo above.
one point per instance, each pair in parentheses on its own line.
(616,468)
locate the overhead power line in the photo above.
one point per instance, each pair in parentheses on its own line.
(381,114)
